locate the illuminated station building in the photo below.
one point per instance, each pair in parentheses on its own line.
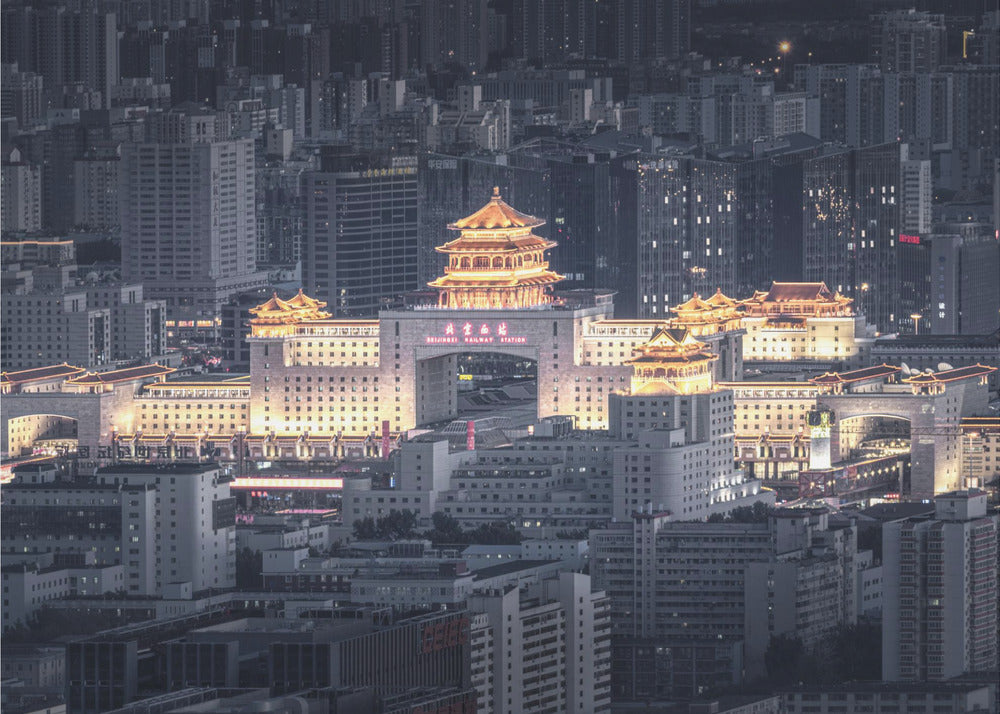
(313,375)
(322,390)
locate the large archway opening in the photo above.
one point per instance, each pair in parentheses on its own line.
(50,434)
(476,385)
(877,449)
(874,436)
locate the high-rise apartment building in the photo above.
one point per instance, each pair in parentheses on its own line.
(20,194)
(95,198)
(187,203)
(21,95)
(454,31)
(694,605)
(964,294)
(653,29)
(916,193)
(165,524)
(550,646)
(907,41)
(359,251)
(677,216)
(65,46)
(850,222)
(939,602)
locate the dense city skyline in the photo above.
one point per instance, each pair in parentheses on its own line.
(500,356)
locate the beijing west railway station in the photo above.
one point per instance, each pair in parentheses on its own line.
(325,390)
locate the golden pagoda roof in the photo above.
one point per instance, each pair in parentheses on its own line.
(793,292)
(720,300)
(302,300)
(275,304)
(505,244)
(496,214)
(546,277)
(299,308)
(695,303)
(673,344)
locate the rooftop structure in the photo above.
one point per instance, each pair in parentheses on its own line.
(718,313)
(672,362)
(798,299)
(496,262)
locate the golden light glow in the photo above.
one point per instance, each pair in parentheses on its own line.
(496,262)
(672,362)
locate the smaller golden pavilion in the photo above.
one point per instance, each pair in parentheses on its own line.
(706,317)
(276,316)
(798,300)
(672,361)
(496,262)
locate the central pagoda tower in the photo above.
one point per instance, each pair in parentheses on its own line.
(496,263)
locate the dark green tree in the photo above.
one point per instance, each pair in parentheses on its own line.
(445,530)
(365,529)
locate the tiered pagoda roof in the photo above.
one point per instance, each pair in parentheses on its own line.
(718,313)
(285,312)
(798,299)
(672,361)
(496,261)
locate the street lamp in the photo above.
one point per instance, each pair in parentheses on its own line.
(916,322)
(784,47)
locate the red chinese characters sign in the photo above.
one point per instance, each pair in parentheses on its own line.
(475,333)
(444,634)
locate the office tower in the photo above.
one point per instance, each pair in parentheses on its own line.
(689,600)
(964,291)
(659,29)
(166,524)
(454,31)
(281,209)
(579,215)
(549,646)
(553,30)
(187,203)
(939,601)
(360,242)
(452,185)
(976,106)
(96,179)
(914,260)
(21,95)
(851,207)
(907,41)
(21,194)
(51,316)
(678,216)
(915,193)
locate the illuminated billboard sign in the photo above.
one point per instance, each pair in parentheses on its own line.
(480,333)
(904,238)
